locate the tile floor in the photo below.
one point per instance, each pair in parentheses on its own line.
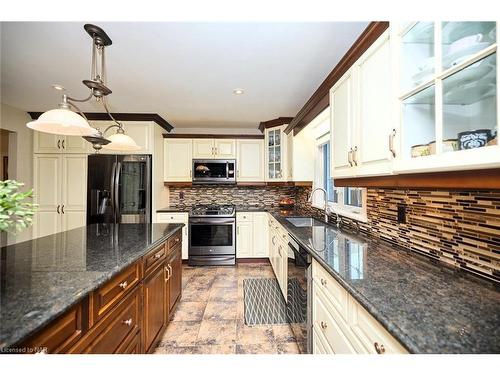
(209,318)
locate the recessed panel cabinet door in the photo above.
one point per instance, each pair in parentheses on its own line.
(155,306)
(244,234)
(203,149)
(342,125)
(74,182)
(225,148)
(250,160)
(178,160)
(47,143)
(175,281)
(260,235)
(76,145)
(376,109)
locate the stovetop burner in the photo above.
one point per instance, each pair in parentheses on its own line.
(223,210)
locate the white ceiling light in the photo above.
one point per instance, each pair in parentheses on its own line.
(66,122)
(121,142)
(238,91)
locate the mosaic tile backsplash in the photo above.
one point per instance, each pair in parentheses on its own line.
(238,195)
(461,228)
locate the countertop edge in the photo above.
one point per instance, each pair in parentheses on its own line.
(86,291)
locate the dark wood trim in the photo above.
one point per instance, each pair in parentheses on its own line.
(217,136)
(471,179)
(319,101)
(275,122)
(252,260)
(245,183)
(100,116)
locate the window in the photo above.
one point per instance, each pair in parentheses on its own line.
(346,201)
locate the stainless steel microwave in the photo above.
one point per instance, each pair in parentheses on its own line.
(214,171)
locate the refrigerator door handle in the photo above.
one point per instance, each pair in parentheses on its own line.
(112,185)
(116,196)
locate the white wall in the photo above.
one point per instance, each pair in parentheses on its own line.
(20,153)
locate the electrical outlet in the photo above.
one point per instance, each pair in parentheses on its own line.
(401,213)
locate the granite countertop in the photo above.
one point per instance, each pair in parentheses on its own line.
(43,278)
(428,306)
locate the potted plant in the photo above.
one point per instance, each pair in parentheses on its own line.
(16,209)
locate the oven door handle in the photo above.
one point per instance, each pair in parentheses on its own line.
(214,220)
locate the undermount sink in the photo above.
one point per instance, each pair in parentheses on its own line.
(304,222)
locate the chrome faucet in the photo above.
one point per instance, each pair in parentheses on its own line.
(326,208)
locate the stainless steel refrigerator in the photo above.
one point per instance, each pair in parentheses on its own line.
(119,189)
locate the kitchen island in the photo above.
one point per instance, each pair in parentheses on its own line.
(71,284)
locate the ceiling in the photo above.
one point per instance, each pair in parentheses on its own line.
(186,72)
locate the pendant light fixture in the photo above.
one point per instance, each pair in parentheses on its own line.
(65,121)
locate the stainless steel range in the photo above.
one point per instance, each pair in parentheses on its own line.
(212,235)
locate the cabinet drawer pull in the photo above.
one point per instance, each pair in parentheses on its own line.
(349,157)
(323,282)
(323,325)
(284,236)
(62,144)
(279,250)
(62,208)
(57,209)
(379,348)
(274,243)
(58,143)
(123,285)
(391,143)
(355,155)
(128,322)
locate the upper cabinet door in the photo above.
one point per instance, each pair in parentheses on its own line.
(276,142)
(377,123)
(76,145)
(250,160)
(203,149)
(342,108)
(47,143)
(178,154)
(225,148)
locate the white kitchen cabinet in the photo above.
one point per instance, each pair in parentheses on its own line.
(214,148)
(377,116)
(178,160)
(225,148)
(177,218)
(244,239)
(289,157)
(252,235)
(448,98)
(278,253)
(60,190)
(343,126)
(276,154)
(250,160)
(56,144)
(341,325)
(260,235)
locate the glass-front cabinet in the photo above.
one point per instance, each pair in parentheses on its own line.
(276,145)
(448,95)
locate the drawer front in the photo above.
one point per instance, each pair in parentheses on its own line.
(132,346)
(154,258)
(244,216)
(172,217)
(118,327)
(174,240)
(337,296)
(64,332)
(319,343)
(325,323)
(107,296)
(370,333)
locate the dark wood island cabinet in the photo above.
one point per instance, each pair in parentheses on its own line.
(128,314)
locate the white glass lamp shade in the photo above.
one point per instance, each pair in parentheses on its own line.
(121,142)
(63,122)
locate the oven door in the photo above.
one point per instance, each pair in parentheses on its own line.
(212,236)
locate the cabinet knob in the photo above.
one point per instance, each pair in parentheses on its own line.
(123,285)
(379,348)
(128,322)
(323,325)
(158,255)
(323,282)
(177,239)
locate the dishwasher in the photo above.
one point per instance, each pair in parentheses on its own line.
(299,295)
